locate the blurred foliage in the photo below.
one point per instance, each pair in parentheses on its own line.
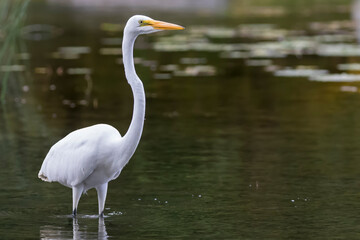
(12,15)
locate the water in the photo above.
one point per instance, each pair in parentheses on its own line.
(233,149)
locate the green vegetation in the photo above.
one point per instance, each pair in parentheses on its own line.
(12,15)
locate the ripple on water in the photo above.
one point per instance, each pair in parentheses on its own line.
(115,213)
(78,216)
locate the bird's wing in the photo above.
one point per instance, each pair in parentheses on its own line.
(72,159)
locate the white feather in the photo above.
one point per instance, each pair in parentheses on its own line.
(81,155)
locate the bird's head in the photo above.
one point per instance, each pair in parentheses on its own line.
(140,24)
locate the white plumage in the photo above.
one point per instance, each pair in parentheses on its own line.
(91,157)
(81,155)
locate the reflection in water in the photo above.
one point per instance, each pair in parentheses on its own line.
(102,234)
(78,231)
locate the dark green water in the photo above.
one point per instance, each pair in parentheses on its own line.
(229,151)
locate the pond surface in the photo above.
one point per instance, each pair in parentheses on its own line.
(252,125)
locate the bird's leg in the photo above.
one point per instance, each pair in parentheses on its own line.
(101,191)
(76,194)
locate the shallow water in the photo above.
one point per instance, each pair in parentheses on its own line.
(240,140)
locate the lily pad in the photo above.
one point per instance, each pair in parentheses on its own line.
(300,72)
(259,63)
(199,70)
(193,60)
(235,55)
(349,67)
(343,77)
(74,50)
(43,70)
(12,68)
(349,89)
(71,52)
(338,50)
(169,67)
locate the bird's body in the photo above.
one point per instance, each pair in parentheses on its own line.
(91,157)
(85,156)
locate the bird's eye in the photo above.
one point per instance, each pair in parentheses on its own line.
(141,21)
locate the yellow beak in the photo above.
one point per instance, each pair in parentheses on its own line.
(164,25)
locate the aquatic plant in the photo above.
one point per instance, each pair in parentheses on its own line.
(12,15)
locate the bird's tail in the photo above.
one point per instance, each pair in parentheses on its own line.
(43,177)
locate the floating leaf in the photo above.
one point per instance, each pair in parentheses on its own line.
(71,52)
(170,47)
(221,32)
(149,63)
(332,38)
(234,55)
(301,71)
(349,67)
(42,70)
(260,63)
(200,70)
(74,50)
(338,50)
(83,102)
(169,67)
(12,68)
(262,31)
(58,55)
(137,60)
(343,77)
(193,60)
(332,26)
(348,89)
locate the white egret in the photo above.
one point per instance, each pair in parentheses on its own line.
(91,157)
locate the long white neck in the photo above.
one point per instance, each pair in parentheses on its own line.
(133,135)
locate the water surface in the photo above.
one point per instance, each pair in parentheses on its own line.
(251,127)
